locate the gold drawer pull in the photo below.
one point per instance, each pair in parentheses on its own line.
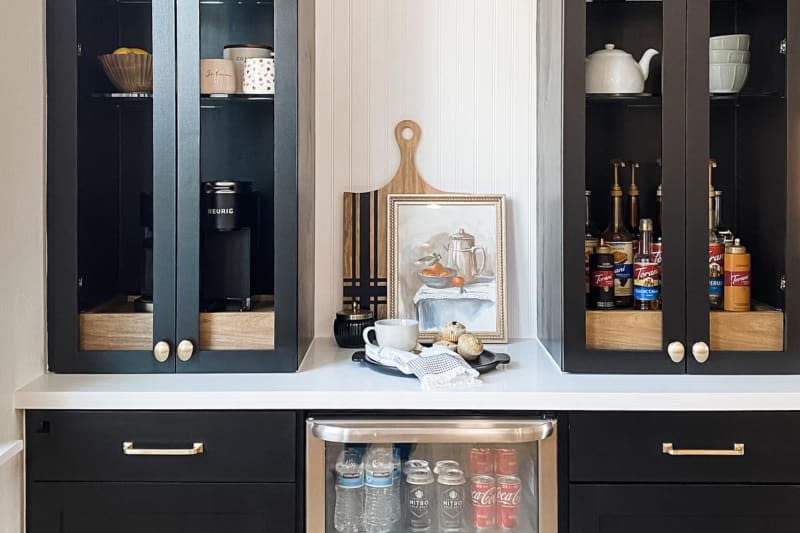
(128,448)
(738,450)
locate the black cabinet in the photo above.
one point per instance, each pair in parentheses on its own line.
(179,234)
(693,119)
(160,508)
(162,471)
(686,508)
(682,472)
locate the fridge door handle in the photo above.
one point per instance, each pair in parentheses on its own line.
(431,431)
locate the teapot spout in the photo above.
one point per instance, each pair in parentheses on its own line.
(644,63)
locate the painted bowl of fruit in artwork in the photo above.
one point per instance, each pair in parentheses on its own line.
(443,279)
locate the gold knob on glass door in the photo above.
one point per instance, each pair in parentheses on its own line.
(676,351)
(161,351)
(700,352)
(185,350)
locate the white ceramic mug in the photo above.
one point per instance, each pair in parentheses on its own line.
(399,333)
(259,75)
(239,54)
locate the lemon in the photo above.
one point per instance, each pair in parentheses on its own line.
(122,51)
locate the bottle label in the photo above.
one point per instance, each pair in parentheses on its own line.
(588,249)
(350,480)
(737,279)
(646,282)
(603,279)
(419,505)
(451,500)
(379,478)
(623,267)
(716,277)
(655,252)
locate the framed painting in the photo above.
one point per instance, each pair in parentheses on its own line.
(447,261)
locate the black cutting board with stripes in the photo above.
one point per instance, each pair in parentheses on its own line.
(365,226)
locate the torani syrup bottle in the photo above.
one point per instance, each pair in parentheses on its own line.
(646,273)
(737,277)
(632,210)
(620,241)
(591,240)
(716,250)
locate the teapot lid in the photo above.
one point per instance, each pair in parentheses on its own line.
(610,49)
(462,236)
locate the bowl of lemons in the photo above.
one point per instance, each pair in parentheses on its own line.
(130,70)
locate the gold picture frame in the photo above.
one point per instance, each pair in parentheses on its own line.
(435,270)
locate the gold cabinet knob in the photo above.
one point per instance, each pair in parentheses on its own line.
(700,352)
(185,350)
(161,351)
(676,351)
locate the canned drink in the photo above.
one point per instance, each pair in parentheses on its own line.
(509,492)
(414,464)
(483,503)
(481,461)
(447,464)
(451,500)
(419,509)
(505,462)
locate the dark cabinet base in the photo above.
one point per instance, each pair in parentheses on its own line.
(160,508)
(684,508)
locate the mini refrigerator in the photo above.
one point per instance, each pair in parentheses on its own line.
(431,475)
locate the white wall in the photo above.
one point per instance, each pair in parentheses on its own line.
(464,70)
(21,228)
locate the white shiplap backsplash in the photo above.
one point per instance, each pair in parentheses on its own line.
(464,70)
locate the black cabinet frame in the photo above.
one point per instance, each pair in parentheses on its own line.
(176,184)
(686,130)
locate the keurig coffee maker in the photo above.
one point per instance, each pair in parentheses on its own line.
(229,216)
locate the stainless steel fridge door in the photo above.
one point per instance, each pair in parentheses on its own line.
(454,431)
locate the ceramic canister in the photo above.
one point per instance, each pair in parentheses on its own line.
(217,76)
(239,54)
(259,75)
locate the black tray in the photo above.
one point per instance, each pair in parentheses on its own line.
(486,362)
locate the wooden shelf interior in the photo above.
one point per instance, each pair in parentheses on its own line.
(115,326)
(641,330)
(760,330)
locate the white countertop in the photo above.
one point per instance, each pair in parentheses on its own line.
(328,379)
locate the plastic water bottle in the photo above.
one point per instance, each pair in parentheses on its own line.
(397,484)
(379,492)
(348,513)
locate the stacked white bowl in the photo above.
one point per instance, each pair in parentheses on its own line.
(729,63)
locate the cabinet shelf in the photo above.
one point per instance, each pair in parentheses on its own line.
(205,99)
(115,325)
(655,100)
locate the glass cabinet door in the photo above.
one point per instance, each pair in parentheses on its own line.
(422,483)
(226,176)
(741,186)
(630,184)
(111,184)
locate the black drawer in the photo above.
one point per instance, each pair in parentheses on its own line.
(250,446)
(629,447)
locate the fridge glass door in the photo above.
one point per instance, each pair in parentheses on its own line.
(430,476)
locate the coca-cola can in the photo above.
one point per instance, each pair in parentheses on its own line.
(483,503)
(505,462)
(481,461)
(509,492)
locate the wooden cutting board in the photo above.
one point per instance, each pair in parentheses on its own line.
(365,226)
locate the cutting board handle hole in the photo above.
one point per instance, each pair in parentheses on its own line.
(408,134)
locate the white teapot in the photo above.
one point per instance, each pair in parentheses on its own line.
(612,71)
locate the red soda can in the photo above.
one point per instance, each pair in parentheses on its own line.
(481,461)
(509,492)
(483,503)
(505,462)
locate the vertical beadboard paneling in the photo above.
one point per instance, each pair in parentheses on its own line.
(463,69)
